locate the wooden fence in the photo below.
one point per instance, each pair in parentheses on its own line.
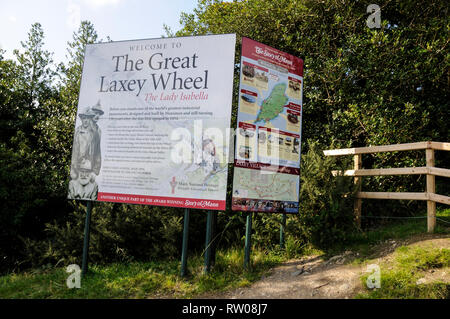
(430,170)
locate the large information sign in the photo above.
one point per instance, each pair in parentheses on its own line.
(152,122)
(267,156)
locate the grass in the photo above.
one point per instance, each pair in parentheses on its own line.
(399,277)
(161,278)
(143,280)
(367,243)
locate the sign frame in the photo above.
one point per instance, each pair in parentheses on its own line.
(268,134)
(198,79)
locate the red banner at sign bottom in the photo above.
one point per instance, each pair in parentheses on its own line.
(210,204)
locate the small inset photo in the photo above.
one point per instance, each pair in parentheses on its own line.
(247,103)
(248,71)
(294,89)
(245,152)
(288,141)
(248,74)
(248,98)
(262,80)
(246,133)
(262,137)
(293,118)
(293,121)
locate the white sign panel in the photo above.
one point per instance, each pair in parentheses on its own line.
(152,122)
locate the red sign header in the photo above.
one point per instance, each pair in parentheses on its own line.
(258,51)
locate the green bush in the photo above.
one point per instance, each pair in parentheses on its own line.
(325,211)
(118,233)
(326,201)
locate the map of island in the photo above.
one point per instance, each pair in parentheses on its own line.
(273,105)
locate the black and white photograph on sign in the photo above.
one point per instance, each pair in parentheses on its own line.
(86,154)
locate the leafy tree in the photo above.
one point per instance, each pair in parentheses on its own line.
(71,74)
(9,112)
(367,86)
(26,180)
(362,86)
(34,78)
(57,129)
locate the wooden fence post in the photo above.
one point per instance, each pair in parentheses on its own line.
(431,189)
(357,163)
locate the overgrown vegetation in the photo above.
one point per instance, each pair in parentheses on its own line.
(325,201)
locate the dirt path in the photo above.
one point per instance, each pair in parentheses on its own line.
(305,278)
(337,277)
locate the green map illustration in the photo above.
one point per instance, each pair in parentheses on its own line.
(273,105)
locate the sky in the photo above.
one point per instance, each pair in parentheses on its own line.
(118,19)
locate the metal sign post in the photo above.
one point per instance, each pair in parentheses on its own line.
(209,222)
(282,227)
(213,236)
(87,223)
(248,240)
(185,243)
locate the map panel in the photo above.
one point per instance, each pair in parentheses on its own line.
(257,184)
(269,129)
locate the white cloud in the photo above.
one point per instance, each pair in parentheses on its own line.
(12,19)
(100,3)
(74,9)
